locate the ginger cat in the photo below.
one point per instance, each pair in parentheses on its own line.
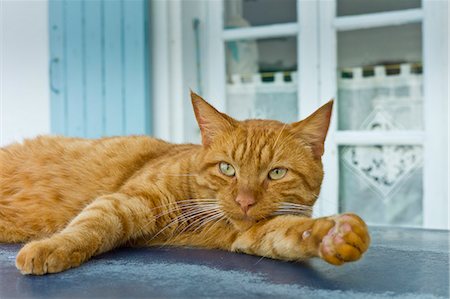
(250,187)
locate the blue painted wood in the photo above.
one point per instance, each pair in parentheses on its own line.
(74,63)
(135,67)
(57,87)
(113,35)
(99,67)
(93,65)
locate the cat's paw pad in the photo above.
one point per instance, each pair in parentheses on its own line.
(46,256)
(346,241)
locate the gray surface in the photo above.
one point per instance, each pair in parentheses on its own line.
(402,263)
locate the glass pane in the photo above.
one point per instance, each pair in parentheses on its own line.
(382,184)
(261,79)
(380,79)
(356,7)
(245,13)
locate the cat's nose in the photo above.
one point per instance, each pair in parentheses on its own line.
(245,199)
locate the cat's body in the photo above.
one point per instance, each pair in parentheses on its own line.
(45,182)
(249,188)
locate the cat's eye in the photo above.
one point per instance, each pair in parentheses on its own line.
(227,169)
(277,173)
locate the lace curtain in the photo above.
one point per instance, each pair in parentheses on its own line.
(383,183)
(252,97)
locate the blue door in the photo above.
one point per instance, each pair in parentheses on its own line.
(99,67)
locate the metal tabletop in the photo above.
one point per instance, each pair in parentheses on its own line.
(401,263)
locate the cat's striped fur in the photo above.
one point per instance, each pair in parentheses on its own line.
(74,198)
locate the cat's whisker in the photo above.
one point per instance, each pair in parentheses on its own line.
(185,206)
(200,213)
(223,217)
(191,206)
(293,214)
(257,262)
(182,218)
(295,205)
(208,220)
(200,209)
(295,208)
(278,137)
(217,210)
(176,219)
(291,134)
(182,174)
(172,237)
(292,210)
(201,218)
(198,221)
(156,217)
(197,200)
(286,208)
(179,205)
(190,215)
(184,203)
(193,217)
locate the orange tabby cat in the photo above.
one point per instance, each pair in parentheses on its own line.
(249,188)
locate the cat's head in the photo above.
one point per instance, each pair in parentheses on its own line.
(260,168)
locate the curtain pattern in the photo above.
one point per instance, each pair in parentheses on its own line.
(383,183)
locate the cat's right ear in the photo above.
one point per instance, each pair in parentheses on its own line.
(211,122)
(314,128)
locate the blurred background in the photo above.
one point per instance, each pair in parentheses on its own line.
(119,67)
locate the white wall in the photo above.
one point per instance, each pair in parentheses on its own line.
(24,91)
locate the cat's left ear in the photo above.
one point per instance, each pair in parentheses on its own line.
(314,128)
(211,122)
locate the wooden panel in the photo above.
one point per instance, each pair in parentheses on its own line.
(74,69)
(114,96)
(135,68)
(57,82)
(93,65)
(99,61)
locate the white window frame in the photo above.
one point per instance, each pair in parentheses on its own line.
(315,31)
(307,56)
(166,32)
(434,137)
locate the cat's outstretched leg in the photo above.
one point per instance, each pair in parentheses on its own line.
(336,239)
(107,222)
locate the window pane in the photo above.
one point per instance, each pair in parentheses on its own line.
(245,13)
(382,184)
(261,79)
(380,79)
(356,7)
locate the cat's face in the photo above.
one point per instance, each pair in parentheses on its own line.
(260,168)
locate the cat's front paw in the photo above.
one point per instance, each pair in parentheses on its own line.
(46,256)
(346,241)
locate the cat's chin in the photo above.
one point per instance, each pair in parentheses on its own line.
(243,223)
